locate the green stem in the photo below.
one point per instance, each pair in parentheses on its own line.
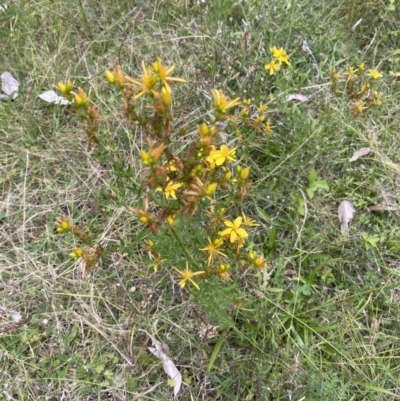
(182,245)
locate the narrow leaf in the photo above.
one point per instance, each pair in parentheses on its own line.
(379,208)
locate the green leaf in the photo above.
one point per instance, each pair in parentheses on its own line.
(215,352)
(263,215)
(312,176)
(322,184)
(325,327)
(300,207)
(310,193)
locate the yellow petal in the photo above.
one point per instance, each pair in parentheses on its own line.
(238,221)
(225,232)
(241,232)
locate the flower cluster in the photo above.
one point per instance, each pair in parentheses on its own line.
(86,110)
(184,178)
(188,171)
(88,256)
(279,57)
(359,88)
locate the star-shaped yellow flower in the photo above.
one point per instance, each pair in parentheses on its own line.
(375,74)
(186,275)
(147,82)
(164,72)
(171,188)
(234,230)
(222,102)
(221,155)
(280,55)
(213,250)
(272,67)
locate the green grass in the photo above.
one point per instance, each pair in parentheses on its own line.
(327,324)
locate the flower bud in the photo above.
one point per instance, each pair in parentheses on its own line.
(244,173)
(166,97)
(210,189)
(110,77)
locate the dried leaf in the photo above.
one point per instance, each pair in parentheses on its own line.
(289,272)
(356,25)
(299,97)
(345,213)
(52,97)
(16,317)
(359,153)
(379,208)
(169,367)
(9,85)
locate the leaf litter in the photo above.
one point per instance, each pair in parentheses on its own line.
(360,153)
(9,85)
(346,212)
(169,367)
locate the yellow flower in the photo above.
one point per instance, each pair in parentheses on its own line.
(272,67)
(257,261)
(65,89)
(186,275)
(358,108)
(171,219)
(210,189)
(248,222)
(268,128)
(64,224)
(146,158)
(205,131)
(377,98)
(361,67)
(375,74)
(213,250)
(147,82)
(280,55)
(166,97)
(110,77)
(171,188)
(81,99)
(158,262)
(152,157)
(76,253)
(243,172)
(164,72)
(223,272)
(222,102)
(144,216)
(219,157)
(234,230)
(350,74)
(116,76)
(262,108)
(144,219)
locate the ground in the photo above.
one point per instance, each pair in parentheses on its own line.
(322,323)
